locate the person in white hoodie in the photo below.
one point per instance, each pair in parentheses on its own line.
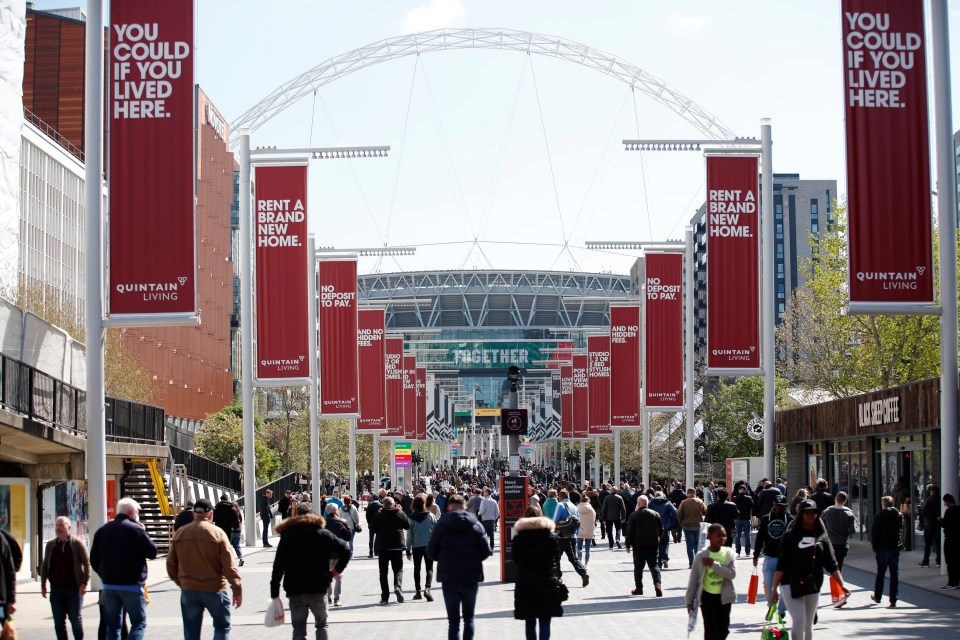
(588,524)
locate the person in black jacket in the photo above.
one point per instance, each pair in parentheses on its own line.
(805,553)
(8,581)
(185,516)
(340,528)
(820,497)
(724,512)
(772,528)
(930,515)
(644,532)
(459,546)
(308,557)
(950,523)
(886,538)
(373,508)
(744,522)
(119,555)
(284,505)
(389,525)
(226,515)
(536,554)
(266,516)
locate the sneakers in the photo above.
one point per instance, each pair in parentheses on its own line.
(240,561)
(950,586)
(665,562)
(384,600)
(586,579)
(399,595)
(638,591)
(618,545)
(371,555)
(337,603)
(659,591)
(892,605)
(925,565)
(426,594)
(417,596)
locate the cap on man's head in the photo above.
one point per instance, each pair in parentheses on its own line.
(202,506)
(808,505)
(779,499)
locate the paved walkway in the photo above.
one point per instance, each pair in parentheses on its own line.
(602,610)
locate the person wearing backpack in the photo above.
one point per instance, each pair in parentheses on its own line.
(668,516)
(567,520)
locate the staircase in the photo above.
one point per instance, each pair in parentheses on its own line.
(145,485)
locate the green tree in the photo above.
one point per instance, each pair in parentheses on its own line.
(220,438)
(728,406)
(822,348)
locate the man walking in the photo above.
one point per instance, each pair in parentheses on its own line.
(644,532)
(119,555)
(340,528)
(744,522)
(373,508)
(613,512)
(489,514)
(772,527)
(567,534)
(668,516)
(201,563)
(67,567)
(266,516)
(226,515)
(887,540)
(723,512)
(303,563)
(820,497)
(690,514)
(389,525)
(841,525)
(284,505)
(459,546)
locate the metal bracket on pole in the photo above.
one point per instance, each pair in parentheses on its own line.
(887,309)
(153,320)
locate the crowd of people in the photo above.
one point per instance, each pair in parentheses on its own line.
(447,526)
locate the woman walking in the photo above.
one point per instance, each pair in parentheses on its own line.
(422,522)
(711,584)
(805,551)
(537,555)
(588,523)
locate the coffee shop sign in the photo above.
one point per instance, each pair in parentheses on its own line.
(879,412)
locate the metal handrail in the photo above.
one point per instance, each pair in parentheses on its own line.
(206,470)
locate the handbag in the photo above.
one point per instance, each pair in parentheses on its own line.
(274,616)
(753,588)
(9,630)
(774,630)
(561,588)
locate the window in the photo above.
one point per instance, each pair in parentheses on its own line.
(780,308)
(814,227)
(780,269)
(814,207)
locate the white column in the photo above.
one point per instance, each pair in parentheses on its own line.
(352,444)
(96,458)
(597,473)
(616,456)
(247,370)
(645,447)
(314,365)
(768,318)
(690,373)
(393,466)
(583,462)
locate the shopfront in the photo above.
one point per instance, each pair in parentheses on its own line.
(872,445)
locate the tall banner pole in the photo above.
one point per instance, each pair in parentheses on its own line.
(93,199)
(596,462)
(644,414)
(247,370)
(689,458)
(645,434)
(352,487)
(767,315)
(583,462)
(376,462)
(616,457)
(393,465)
(314,367)
(946,212)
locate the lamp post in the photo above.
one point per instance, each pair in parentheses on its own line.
(513,441)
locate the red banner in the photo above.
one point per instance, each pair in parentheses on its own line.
(566,401)
(409,397)
(371,353)
(561,354)
(151,172)
(339,371)
(624,366)
(663,386)
(733,263)
(393,373)
(888,155)
(598,376)
(581,397)
(283,339)
(421,382)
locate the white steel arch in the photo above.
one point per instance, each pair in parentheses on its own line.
(509,39)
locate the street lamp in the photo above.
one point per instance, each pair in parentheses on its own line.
(513,441)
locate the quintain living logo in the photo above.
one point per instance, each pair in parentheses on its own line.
(182,280)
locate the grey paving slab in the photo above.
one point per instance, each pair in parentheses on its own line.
(604,609)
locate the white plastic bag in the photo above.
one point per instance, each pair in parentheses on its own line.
(274,617)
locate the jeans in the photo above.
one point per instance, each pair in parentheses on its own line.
(116,603)
(769,568)
(716,616)
(531,628)
(66,602)
(692,538)
(302,605)
(613,525)
(581,543)
(420,556)
(372,537)
(390,558)
(336,584)
(488,526)
(457,595)
(266,531)
(887,559)
(645,556)
(664,549)
(235,542)
(742,530)
(192,605)
(566,546)
(931,540)
(802,612)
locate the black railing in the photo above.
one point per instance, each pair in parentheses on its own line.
(206,470)
(45,399)
(52,133)
(289,482)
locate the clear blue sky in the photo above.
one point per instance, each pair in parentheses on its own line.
(500,147)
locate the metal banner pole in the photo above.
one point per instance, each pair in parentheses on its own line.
(690,456)
(376,462)
(616,456)
(583,462)
(96,458)
(767,315)
(393,466)
(645,434)
(314,366)
(946,217)
(247,370)
(352,485)
(596,463)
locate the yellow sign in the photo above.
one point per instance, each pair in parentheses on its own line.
(488,412)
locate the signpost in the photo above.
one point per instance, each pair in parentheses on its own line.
(513,422)
(513,502)
(403,454)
